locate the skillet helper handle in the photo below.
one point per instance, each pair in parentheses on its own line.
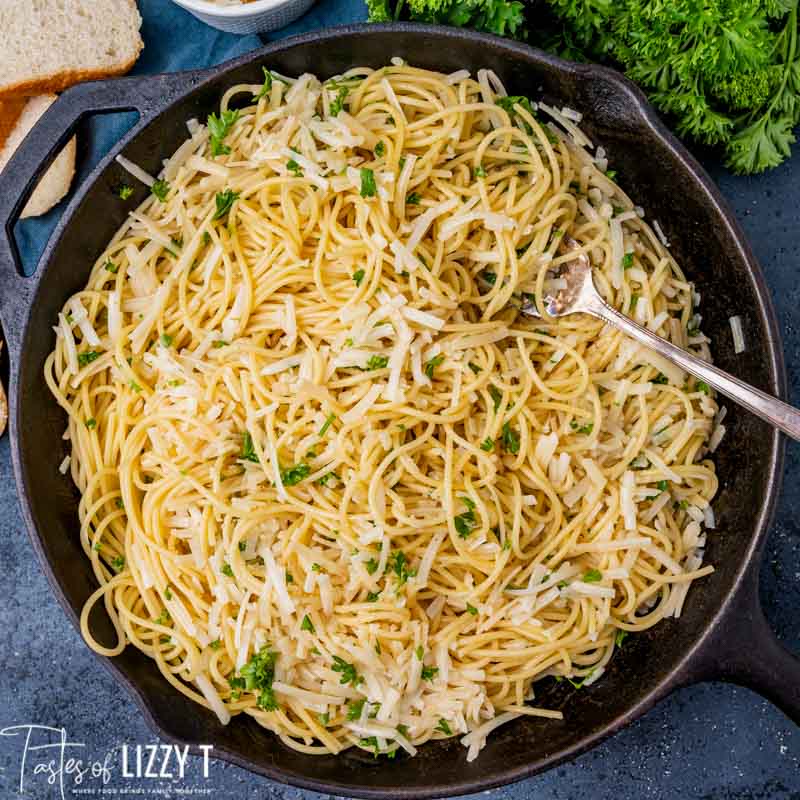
(744,650)
(146,94)
(777,413)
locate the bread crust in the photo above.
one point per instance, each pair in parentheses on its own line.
(10,112)
(53,84)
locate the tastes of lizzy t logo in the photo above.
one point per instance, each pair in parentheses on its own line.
(47,758)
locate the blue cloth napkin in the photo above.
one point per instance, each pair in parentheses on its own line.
(173,40)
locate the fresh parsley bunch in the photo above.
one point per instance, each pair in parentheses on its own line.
(502,17)
(727,72)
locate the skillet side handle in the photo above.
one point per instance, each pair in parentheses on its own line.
(146,94)
(745,651)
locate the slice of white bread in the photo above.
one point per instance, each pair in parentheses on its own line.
(48,45)
(55,183)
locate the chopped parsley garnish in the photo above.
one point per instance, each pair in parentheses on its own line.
(373,596)
(627,261)
(328,422)
(160,189)
(444,727)
(377,362)
(702,386)
(227,569)
(371,566)
(206,238)
(218,129)
(324,719)
(576,684)
(86,358)
(472,610)
(487,444)
(398,564)
(562,585)
(118,563)
(587,429)
(242,547)
(661,378)
(268,80)
(354,709)
(634,301)
(611,174)
(323,481)
(429,673)
(135,386)
(489,277)
(620,637)
(592,576)
(338,103)
(479,171)
(166,340)
(91,423)
(413,199)
(224,201)
(293,475)
(419,652)
(111,267)
(307,625)
(662,486)
(430,366)
(358,276)
(349,674)
(258,674)
(236,684)
(371,743)
(508,103)
(465,522)
(294,168)
(316,567)
(474,367)
(497,396)
(380,149)
(509,439)
(163,618)
(125,191)
(368,187)
(248,451)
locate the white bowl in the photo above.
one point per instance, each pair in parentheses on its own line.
(256,17)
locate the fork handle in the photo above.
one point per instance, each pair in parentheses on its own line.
(776,412)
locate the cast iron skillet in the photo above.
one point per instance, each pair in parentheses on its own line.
(722,633)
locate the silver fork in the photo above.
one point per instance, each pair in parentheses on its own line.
(580,296)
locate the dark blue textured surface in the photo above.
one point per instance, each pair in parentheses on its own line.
(709,742)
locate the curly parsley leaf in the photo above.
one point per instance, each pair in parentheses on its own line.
(218,128)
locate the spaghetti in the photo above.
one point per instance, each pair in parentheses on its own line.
(330,477)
